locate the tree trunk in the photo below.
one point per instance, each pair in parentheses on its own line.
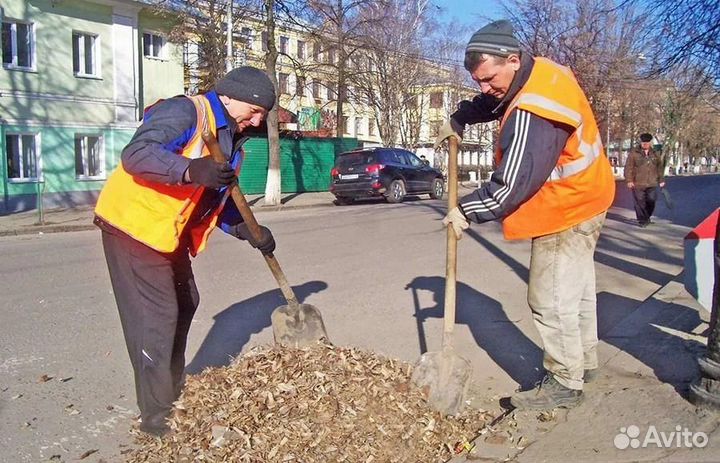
(272,186)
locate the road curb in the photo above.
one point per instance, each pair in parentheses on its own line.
(35,229)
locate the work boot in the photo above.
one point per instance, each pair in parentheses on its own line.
(546,395)
(156,425)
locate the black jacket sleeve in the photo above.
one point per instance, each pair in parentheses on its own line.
(530,147)
(152,154)
(482,108)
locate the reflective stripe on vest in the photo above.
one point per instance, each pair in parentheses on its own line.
(156,214)
(581,184)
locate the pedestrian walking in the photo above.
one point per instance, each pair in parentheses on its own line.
(553,185)
(644,172)
(158,208)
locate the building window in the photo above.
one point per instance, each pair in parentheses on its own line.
(358,126)
(316,89)
(332,92)
(345,125)
(18,45)
(372,129)
(284,44)
(317,54)
(300,86)
(247,36)
(301,49)
(283,83)
(436,100)
(89,157)
(153,45)
(86,50)
(331,56)
(264,41)
(23,156)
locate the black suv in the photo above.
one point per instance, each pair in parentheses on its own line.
(388,172)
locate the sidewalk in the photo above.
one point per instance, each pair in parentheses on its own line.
(81,217)
(651,358)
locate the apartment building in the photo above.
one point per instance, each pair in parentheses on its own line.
(75,77)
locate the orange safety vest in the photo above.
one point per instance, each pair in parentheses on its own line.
(581,185)
(155,213)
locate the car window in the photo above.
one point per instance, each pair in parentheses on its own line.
(392,156)
(412,159)
(355,159)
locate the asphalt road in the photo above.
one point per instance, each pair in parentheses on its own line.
(375,270)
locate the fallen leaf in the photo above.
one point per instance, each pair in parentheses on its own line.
(44,379)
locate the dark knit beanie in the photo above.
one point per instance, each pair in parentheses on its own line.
(247,84)
(495,39)
(645,137)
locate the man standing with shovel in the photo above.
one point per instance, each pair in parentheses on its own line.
(159,207)
(553,184)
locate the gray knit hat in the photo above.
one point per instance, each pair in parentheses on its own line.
(247,84)
(494,39)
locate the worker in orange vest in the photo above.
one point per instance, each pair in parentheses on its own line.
(553,184)
(159,207)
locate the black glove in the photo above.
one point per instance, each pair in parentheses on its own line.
(266,243)
(209,173)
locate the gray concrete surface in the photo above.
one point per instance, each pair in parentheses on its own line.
(376,273)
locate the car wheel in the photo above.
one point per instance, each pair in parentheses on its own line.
(438,188)
(396,192)
(343,201)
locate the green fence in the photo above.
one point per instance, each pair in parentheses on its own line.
(305,164)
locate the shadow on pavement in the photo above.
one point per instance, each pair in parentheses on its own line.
(234,326)
(490,326)
(653,338)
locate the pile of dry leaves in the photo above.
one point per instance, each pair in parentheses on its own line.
(321,404)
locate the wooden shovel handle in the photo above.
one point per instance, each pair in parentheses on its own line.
(249,218)
(451,263)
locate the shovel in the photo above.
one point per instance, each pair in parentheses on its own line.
(444,374)
(294,324)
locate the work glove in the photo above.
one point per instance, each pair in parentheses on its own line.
(458,220)
(206,172)
(266,243)
(449,129)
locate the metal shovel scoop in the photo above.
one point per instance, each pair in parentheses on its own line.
(294,324)
(445,374)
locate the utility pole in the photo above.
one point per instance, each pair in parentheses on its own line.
(229,57)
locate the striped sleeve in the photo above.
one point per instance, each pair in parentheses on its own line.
(530,147)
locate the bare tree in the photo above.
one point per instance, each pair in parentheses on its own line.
(686,32)
(395,66)
(201,25)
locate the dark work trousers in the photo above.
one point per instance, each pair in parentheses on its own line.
(157,297)
(645,198)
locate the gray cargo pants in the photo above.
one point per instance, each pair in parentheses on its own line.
(561,294)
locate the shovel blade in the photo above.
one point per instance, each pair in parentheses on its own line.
(297,325)
(446,376)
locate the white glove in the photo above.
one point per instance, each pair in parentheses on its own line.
(458,220)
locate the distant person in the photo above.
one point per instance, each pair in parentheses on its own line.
(644,172)
(553,184)
(158,208)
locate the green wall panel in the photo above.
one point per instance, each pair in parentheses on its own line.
(304,164)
